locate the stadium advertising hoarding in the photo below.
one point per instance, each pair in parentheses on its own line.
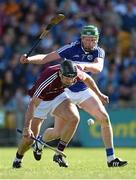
(124,128)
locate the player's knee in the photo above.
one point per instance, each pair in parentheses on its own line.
(104,118)
(74,120)
(106,121)
(57,134)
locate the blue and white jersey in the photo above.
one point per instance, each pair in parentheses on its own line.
(76,53)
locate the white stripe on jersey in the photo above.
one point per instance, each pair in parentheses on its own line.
(79,62)
(45,84)
(63,48)
(66,47)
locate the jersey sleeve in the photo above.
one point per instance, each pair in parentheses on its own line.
(101,53)
(64,51)
(67,50)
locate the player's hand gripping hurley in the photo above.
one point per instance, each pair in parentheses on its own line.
(54,21)
(43,143)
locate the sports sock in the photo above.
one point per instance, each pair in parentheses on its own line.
(110,154)
(61,145)
(40,145)
(18,157)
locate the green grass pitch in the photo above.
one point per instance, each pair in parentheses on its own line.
(84,163)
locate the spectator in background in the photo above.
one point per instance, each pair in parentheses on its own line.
(110,17)
(129,19)
(31,75)
(3,18)
(84,6)
(8,90)
(17,72)
(120,7)
(109,41)
(3,60)
(30,26)
(126,87)
(124,42)
(23,44)
(130,59)
(47,43)
(69,6)
(12,8)
(8,42)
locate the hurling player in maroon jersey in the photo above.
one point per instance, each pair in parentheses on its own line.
(48,96)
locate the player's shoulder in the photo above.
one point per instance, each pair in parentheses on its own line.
(100,49)
(73,44)
(100,52)
(69,47)
(76,43)
(52,69)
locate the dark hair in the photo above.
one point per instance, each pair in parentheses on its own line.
(68,68)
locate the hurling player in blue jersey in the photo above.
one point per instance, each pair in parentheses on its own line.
(90,56)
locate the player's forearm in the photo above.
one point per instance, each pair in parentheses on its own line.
(29,116)
(92,85)
(37,59)
(30,111)
(27,124)
(93,67)
(44,58)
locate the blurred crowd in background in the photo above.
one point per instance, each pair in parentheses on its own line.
(21,21)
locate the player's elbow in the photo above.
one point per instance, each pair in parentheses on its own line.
(98,70)
(74,120)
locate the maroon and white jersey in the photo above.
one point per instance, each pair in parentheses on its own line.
(49,84)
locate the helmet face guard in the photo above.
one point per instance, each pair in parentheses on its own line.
(91,31)
(68,69)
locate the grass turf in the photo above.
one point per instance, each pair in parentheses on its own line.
(84,163)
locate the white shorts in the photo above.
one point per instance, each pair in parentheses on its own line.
(46,107)
(81,96)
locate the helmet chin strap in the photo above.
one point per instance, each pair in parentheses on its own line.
(85,50)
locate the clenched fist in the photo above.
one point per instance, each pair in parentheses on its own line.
(104,98)
(24,60)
